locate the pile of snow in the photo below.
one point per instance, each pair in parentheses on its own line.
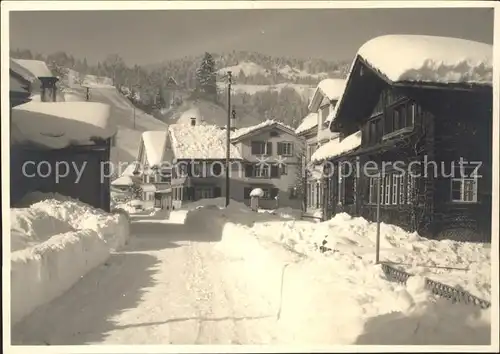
(334,148)
(309,122)
(55,241)
(239,133)
(200,142)
(123,181)
(60,124)
(154,146)
(344,297)
(430,59)
(257,192)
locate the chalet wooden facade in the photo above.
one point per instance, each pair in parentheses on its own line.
(419,132)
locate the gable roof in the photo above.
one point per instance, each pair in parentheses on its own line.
(154,142)
(246,132)
(427,61)
(330,89)
(308,123)
(200,142)
(31,68)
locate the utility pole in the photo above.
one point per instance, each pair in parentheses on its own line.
(377,241)
(228,135)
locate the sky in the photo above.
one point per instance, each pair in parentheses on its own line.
(149,37)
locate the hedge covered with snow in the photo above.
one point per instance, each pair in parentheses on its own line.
(55,241)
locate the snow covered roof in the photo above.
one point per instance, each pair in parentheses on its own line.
(37,68)
(332,89)
(310,121)
(243,132)
(57,125)
(17,86)
(430,59)
(123,181)
(425,59)
(200,142)
(154,142)
(335,147)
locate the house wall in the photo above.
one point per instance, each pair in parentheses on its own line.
(284,182)
(89,189)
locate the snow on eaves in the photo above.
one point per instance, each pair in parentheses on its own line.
(332,88)
(56,125)
(200,142)
(37,68)
(418,58)
(239,133)
(425,59)
(155,142)
(309,122)
(335,148)
(123,181)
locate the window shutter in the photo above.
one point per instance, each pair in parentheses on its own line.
(248,170)
(269,148)
(274,171)
(217,192)
(280,148)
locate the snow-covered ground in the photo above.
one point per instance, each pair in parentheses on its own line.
(55,240)
(214,275)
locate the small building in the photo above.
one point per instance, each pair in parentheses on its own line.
(415,109)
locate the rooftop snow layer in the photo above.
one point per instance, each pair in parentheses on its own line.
(200,142)
(123,181)
(430,59)
(60,124)
(332,88)
(267,123)
(154,146)
(37,68)
(310,121)
(335,148)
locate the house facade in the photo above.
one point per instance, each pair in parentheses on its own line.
(271,161)
(422,150)
(315,132)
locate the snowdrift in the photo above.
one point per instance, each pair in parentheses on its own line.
(56,241)
(342,296)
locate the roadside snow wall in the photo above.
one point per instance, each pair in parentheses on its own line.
(49,266)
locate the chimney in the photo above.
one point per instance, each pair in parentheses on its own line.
(48,89)
(193,121)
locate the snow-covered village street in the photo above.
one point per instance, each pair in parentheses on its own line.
(167,286)
(212,181)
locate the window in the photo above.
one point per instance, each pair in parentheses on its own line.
(274,133)
(464,190)
(293,193)
(261,148)
(267,193)
(283,169)
(387,195)
(262,171)
(285,149)
(401,189)
(395,185)
(246,192)
(216,169)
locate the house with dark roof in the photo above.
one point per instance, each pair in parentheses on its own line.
(415,127)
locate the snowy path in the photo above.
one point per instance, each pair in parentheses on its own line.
(167,286)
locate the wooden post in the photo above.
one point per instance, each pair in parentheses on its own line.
(377,242)
(228,137)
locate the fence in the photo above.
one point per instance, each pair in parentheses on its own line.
(437,288)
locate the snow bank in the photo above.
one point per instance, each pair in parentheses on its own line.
(342,296)
(200,142)
(154,146)
(335,148)
(57,240)
(59,124)
(310,121)
(430,59)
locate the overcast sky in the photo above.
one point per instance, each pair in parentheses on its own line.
(145,37)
